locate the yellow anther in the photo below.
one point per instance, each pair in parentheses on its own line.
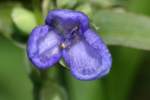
(63,45)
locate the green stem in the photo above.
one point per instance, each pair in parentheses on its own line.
(54,3)
(37,11)
(45,7)
(38,78)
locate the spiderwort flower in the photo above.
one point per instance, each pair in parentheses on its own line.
(67,34)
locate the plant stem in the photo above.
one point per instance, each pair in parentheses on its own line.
(45,6)
(54,3)
(38,78)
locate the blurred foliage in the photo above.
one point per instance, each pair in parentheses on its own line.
(6,27)
(23,19)
(84,90)
(125,29)
(14,82)
(119,22)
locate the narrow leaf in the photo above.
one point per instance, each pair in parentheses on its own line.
(125,29)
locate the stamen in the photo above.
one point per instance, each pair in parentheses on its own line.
(74,29)
(63,45)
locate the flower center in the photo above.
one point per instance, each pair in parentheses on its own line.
(65,26)
(71,37)
(70,31)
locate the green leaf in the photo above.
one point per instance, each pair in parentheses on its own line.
(6,25)
(125,29)
(23,19)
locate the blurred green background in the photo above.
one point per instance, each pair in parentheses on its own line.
(123,24)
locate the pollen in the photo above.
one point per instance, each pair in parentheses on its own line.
(63,45)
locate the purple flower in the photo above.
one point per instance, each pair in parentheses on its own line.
(67,34)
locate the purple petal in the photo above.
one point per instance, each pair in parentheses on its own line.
(88,59)
(43,47)
(96,42)
(65,20)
